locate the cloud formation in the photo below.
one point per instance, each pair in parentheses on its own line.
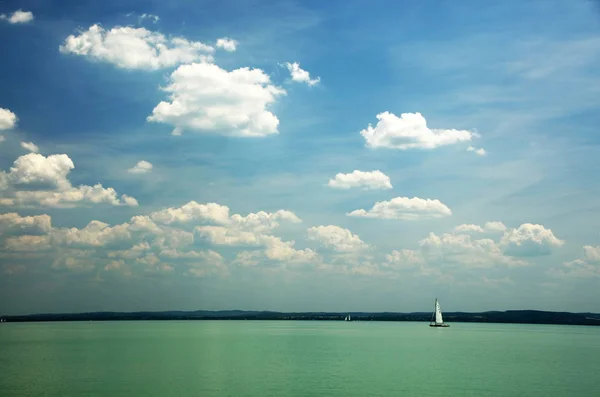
(300,75)
(206,98)
(479,152)
(135,48)
(410,131)
(227,44)
(8,120)
(18,16)
(141,167)
(336,238)
(38,180)
(530,239)
(370,180)
(30,146)
(405,208)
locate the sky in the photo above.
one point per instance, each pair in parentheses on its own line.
(299,155)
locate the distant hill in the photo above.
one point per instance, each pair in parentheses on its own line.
(509,316)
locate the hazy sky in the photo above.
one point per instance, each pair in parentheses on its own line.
(310,155)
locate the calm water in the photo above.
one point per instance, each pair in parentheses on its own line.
(288,358)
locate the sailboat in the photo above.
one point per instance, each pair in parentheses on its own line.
(348,318)
(437,314)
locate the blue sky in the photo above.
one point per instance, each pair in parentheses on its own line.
(321,156)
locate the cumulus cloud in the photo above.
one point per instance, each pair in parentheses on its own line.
(205,98)
(410,131)
(495,226)
(251,229)
(468,228)
(463,250)
(135,48)
(529,239)
(227,44)
(405,208)
(489,227)
(586,267)
(412,261)
(192,212)
(35,179)
(8,119)
(219,228)
(284,251)
(371,180)
(336,238)
(300,75)
(18,16)
(211,263)
(477,151)
(247,258)
(142,167)
(30,146)
(591,253)
(14,223)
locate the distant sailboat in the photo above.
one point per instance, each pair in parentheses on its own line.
(437,314)
(348,318)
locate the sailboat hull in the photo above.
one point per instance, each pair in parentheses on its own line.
(439,325)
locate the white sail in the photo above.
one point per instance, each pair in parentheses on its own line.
(438,313)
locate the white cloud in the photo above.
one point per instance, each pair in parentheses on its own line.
(142,167)
(247,258)
(13,222)
(135,48)
(28,243)
(36,169)
(30,146)
(8,119)
(591,253)
(117,266)
(211,263)
(412,261)
(404,256)
(284,251)
(154,18)
(370,180)
(336,238)
(586,267)
(477,151)
(578,268)
(18,16)
(405,208)
(193,212)
(249,230)
(219,228)
(410,131)
(300,75)
(36,179)
(489,227)
(529,239)
(227,44)
(494,226)
(468,228)
(206,98)
(463,250)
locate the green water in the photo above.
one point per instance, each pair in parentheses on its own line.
(289,358)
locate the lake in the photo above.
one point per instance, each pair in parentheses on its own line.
(297,358)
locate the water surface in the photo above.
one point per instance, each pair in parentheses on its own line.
(297,358)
